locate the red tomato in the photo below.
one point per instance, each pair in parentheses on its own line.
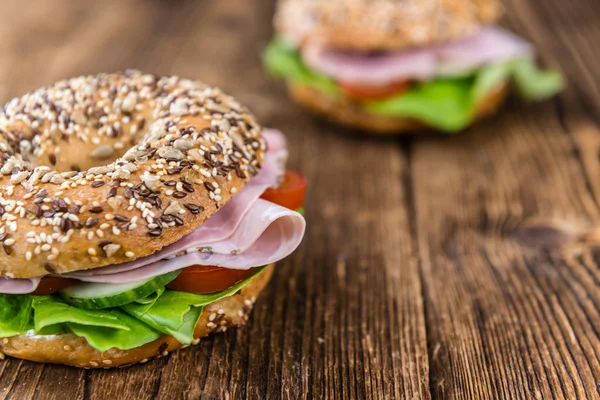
(291,192)
(52,284)
(199,279)
(359,92)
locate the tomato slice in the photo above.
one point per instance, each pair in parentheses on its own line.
(291,192)
(52,284)
(360,92)
(199,279)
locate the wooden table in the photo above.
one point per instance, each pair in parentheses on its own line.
(461,266)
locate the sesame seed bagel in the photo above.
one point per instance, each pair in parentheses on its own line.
(99,170)
(369,25)
(73,350)
(348,113)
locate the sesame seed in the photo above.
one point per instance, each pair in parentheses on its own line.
(89,109)
(97,184)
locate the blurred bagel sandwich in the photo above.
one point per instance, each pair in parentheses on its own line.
(390,66)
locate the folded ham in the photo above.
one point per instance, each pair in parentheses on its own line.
(266,234)
(245,233)
(18,286)
(490,45)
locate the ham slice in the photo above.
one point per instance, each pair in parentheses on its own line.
(223,223)
(246,232)
(378,69)
(275,140)
(266,234)
(490,45)
(375,69)
(18,286)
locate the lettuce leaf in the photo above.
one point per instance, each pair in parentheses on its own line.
(445,103)
(169,314)
(283,60)
(488,79)
(103,329)
(533,83)
(127,327)
(151,298)
(451,104)
(103,338)
(16,314)
(49,310)
(176,313)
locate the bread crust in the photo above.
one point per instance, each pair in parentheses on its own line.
(179,150)
(347,113)
(369,25)
(73,350)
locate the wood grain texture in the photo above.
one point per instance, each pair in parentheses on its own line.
(452,267)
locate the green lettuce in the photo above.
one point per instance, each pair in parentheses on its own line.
(450,104)
(533,83)
(176,313)
(142,321)
(283,60)
(103,329)
(49,310)
(103,338)
(151,298)
(442,104)
(445,103)
(16,314)
(488,79)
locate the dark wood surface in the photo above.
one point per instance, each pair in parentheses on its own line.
(445,267)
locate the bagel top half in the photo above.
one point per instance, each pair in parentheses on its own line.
(100,170)
(371,25)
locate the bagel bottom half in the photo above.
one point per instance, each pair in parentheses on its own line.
(73,350)
(348,113)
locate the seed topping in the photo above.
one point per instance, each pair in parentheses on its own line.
(98,158)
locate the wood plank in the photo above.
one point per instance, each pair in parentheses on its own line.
(489,239)
(286,337)
(80,40)
(344,315)
(503,318)
(512,300)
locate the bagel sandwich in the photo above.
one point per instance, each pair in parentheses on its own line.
(391,66)
(138,214)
